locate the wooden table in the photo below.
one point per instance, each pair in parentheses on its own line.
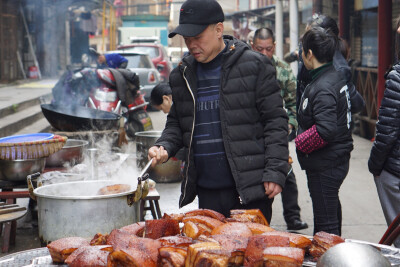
(152,199)
(8,221)
(9,214)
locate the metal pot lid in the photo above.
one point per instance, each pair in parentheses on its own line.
(353,255)
(81,190)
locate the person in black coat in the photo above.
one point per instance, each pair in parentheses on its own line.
(324,142)
(384,161)
(339,62)
(228,114)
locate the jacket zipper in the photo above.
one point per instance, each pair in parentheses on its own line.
(191,136)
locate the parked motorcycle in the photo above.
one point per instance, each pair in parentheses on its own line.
(111,90)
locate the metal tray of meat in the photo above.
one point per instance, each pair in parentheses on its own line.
(40,257)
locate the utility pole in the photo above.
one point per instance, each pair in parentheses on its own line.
(294,30)
(279,28)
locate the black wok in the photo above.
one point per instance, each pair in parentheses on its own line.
(78,118)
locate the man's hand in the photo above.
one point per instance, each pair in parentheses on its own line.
(290,128)
(158,154)
(272,189)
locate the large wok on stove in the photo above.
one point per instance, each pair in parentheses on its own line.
(79,118)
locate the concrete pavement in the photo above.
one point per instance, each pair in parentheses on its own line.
(24,90)
(362,215)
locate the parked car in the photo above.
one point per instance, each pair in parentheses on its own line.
(143,66)
(157,53)
(175,54)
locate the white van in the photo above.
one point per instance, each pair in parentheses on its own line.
(175,54)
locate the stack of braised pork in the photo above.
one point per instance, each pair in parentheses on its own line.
(206,238)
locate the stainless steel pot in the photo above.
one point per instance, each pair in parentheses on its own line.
(18,170)
(76,209)
(71,153)
(167,172)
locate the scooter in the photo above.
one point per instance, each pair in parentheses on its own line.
(100,89)
(106,97)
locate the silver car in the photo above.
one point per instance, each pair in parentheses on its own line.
(142,65)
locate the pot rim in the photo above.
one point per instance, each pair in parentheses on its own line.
(83,143)
(106,182)
(22,160)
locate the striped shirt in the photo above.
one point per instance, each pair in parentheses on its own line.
(212,166)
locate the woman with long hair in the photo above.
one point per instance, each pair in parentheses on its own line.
(384,161)
(324,141)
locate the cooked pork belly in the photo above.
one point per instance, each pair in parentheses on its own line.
(114,189)
(252,215)
(232,228)
(60,249)
(99,239)
(295,240)
(120,239)
(135,228)
(175,241)
(89,256)
(159,228)
(283,257)
(172,256)
(206,212)
(256,245)
(139,252)
(321,242)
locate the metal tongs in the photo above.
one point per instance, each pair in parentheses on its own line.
(142,191)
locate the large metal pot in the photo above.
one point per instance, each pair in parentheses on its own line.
(18,170)
(76,209)
(71,153)
(167,172)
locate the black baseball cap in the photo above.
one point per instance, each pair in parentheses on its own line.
(196,15)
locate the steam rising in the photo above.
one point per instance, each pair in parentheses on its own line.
(101,162)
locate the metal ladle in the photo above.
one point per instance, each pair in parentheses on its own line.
(141,191)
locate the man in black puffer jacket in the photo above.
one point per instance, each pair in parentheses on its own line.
(228,113)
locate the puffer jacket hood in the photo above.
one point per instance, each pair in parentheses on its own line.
(385,152)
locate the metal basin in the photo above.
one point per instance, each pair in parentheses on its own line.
(17,170)
(71,154)
(167,172)
(353,255)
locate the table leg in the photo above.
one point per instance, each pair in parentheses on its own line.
(6,237)
(158,209)
(13,232)
(142,210)
(153,212)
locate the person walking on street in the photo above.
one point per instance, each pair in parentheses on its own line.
(324,140)
(339,62)
(228,114)
(264,42)
(384,160)
(113,60)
